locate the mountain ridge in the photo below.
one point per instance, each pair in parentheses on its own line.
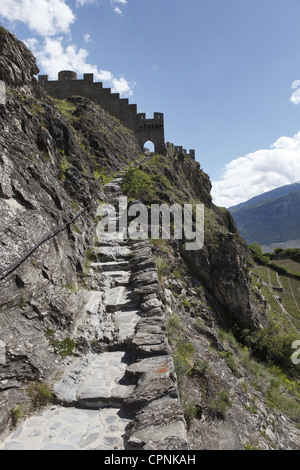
(270,217)
(270,195)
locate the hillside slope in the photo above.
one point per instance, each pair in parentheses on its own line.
(58,157)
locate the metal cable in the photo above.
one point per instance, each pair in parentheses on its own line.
(5,272)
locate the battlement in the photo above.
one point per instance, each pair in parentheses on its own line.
(145,129)
(179,150)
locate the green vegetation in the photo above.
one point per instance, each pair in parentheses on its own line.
(3,30)
(40,394)
(272,346)
(289,265)
(35,108)
(257,352)
(212,228)
(66,109)
(183,359)
(64,165)
(282,293)
(150,181)
(64,347)
(103,177)
(219,404)
(229,359)
(17,413)
(138,185)
(190,410)
(162,267)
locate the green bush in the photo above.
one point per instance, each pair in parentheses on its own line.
(17,413)
(138,185)
(62,348)
(228,357)
(183,359)
(270,345)
(40,394)
(162,267)
(220,404)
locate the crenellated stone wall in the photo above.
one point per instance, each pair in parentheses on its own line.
(145,129)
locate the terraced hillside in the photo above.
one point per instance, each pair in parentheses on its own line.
(282,293)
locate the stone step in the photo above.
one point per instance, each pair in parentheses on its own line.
(120,278)
(94,382)
(120,265)
(102,387)
(126,322)
(59,428)
(117,298)
(111,253)
(95,298)
(109,239)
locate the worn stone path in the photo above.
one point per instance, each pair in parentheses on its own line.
(126,396)
(91,392)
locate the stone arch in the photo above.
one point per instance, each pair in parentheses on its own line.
(149,145)
(157,141)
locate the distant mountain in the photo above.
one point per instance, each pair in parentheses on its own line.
(271,217)
(269,195)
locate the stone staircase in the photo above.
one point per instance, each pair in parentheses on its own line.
(124,397)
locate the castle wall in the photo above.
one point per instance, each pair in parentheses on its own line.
(153,130)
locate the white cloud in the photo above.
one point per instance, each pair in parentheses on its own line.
(87,38)
(80,3)
(116,4)
(118,10)
(258,172)
(52,20)
(52,57)
(122,86)
(44,17)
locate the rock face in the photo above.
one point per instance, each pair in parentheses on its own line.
(224,272)
(17,64)
(47,175)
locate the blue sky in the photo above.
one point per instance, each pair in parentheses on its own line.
(225,73)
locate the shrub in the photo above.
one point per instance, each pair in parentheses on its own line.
(17,413)
(219,405)
(40,394)
(272,346)
(183,360)
(190,411)
(138,185)
(162,267)
(64,165)
(63,348)
(228,357)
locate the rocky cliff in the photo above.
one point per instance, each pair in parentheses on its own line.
(161,311)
